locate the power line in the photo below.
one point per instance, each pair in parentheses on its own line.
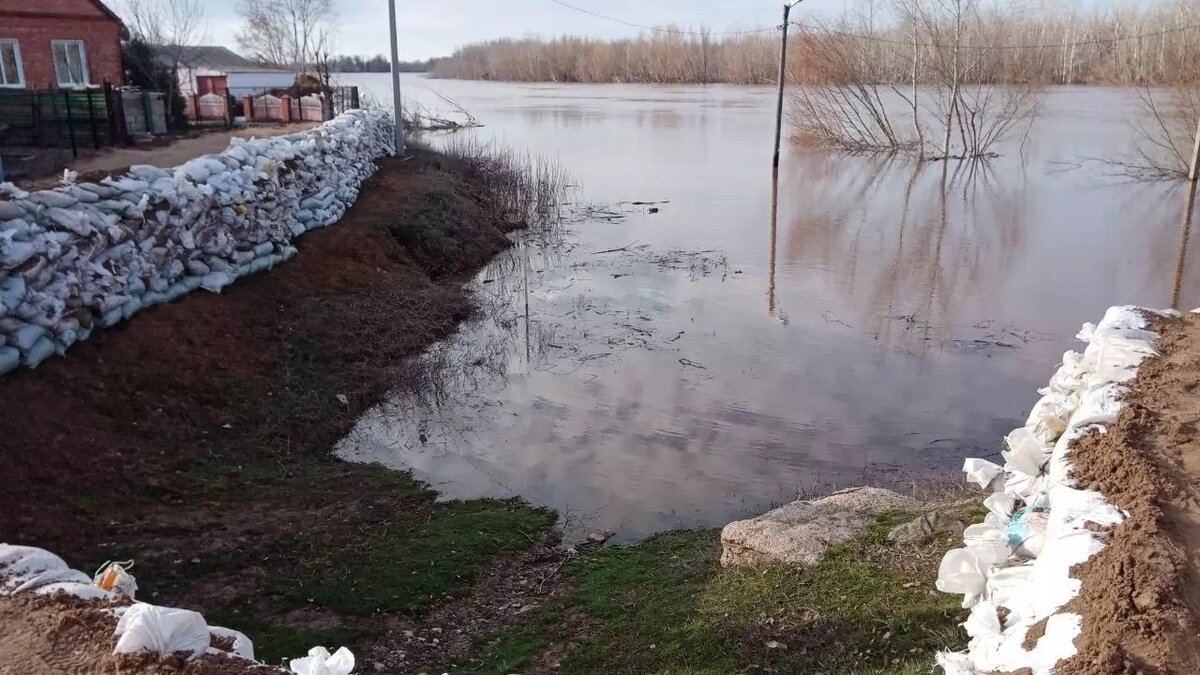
(1059,45)
(660,29)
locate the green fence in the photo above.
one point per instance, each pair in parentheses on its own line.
(62,118)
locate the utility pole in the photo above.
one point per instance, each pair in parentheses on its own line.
(1194,170)
(396,80)
(787,12)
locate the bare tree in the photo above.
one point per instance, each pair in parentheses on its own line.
(168,27)
(293,34)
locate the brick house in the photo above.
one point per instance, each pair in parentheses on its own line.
(59,43)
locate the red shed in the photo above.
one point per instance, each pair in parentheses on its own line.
(59,43)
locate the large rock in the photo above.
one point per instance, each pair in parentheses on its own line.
(801,532)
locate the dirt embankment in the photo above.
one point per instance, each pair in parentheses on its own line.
(1141,594)
(196,438)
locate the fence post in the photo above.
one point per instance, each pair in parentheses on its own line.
(35,101)
(354,97)
(248,107)
(285,106)
(148,110)
(195,107)
(70,123)
(92,120)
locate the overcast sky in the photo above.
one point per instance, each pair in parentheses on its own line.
(435,27)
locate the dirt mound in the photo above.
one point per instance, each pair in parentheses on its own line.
(64,635)
(1141,595)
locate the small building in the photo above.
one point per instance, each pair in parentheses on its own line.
(217,70)
(59,44)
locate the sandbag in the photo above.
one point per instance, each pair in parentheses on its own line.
(161,630)
(320,662)
(26,568)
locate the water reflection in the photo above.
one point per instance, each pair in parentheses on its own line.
(628,375)
(1185,229)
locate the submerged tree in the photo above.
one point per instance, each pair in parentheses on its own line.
(948,103)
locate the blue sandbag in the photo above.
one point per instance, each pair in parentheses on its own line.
(132,307)
(41,351)
(112,317)
(25,338)
(153,298)
(176,291)
(10,358)
(192,283)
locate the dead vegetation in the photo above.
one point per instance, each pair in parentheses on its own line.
(949,104)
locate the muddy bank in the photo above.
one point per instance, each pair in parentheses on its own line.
(1140,599)
(195,439)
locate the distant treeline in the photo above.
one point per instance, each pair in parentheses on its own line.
(660,57)
(1000,42)
(379,63)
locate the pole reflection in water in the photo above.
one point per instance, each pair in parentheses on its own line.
(771,308)
(1185,229)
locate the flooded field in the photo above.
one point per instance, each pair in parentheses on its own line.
(701,343)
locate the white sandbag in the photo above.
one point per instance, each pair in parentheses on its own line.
(77,589)
(1025,453)
(961,571)
(320,662)
(26,568)
(161,630)
(988,543)
(242,646)
(981,472)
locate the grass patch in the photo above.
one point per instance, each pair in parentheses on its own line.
(411,570)
(666,606)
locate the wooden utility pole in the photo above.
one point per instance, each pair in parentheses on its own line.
(787,12)
(396,80)
(1194,172)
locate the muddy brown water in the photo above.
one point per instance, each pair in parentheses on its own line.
(871,327)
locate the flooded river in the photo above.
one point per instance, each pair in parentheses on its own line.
(724,346)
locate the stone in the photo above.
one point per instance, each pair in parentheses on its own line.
(801,532)
(926,526)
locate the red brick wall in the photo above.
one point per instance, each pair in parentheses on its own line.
(35,24)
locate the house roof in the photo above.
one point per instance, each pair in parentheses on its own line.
(104,8)
(210,57)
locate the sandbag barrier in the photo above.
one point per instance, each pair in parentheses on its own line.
(1017,564)
(142,627)
(89,255)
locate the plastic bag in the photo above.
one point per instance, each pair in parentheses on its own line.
(161,630)
(319,662)
(25,568)
(1027,531)
(115,577)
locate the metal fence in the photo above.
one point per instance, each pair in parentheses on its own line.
(64,118)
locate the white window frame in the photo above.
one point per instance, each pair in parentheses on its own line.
(16,45)
(87,75)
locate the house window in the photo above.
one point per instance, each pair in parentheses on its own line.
(11,72)
(70,63)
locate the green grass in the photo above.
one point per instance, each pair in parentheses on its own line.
(666,606)
(410,571)
(273,644)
